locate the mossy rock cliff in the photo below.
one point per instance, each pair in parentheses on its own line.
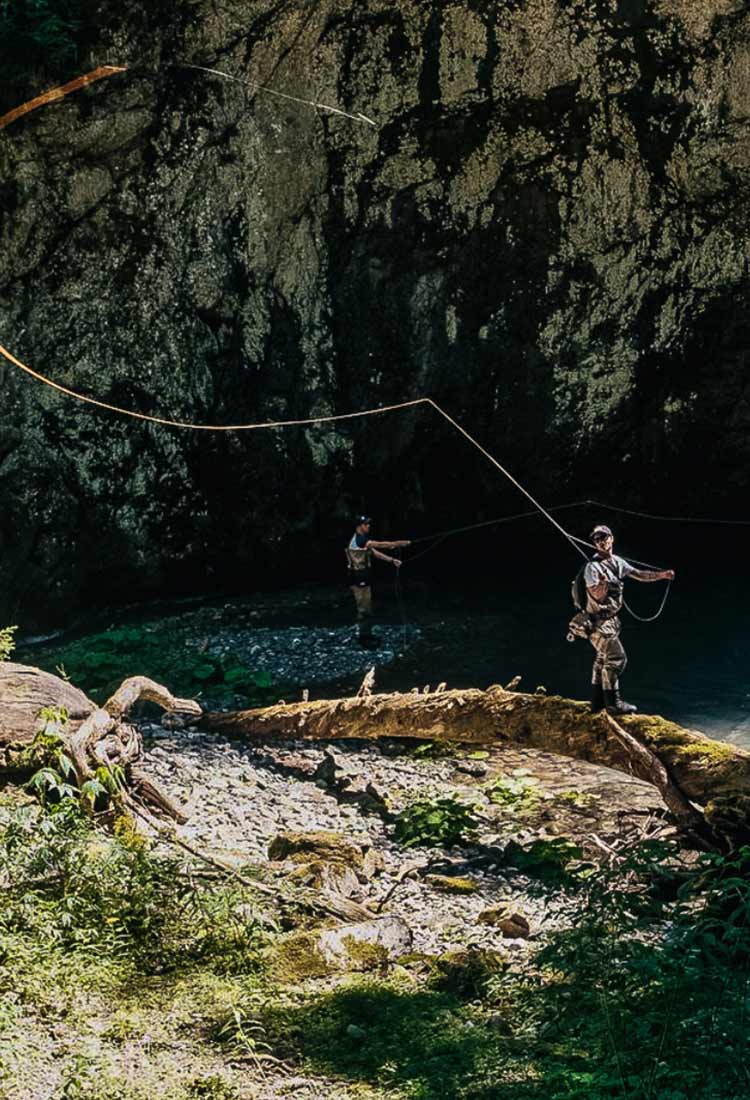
(545,229)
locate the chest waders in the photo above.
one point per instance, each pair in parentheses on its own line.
(610,657)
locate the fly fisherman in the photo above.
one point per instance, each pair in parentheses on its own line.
(359,555)
(604,576)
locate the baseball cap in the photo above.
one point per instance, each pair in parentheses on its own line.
(362,519)
(601,529)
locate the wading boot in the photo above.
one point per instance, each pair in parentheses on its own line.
(597,698)
(615,705)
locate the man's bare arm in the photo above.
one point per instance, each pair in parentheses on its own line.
(652,574)
(383,557)
(598,591)
(386,545)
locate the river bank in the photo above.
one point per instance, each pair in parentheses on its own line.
(688,666)
(526,929)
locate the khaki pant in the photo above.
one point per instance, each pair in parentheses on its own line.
(363,599)
(611,658)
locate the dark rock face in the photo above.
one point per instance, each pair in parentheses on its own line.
(545,230)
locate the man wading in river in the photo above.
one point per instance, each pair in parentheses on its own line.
(359,555)
(604,576)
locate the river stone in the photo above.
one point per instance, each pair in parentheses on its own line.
(511,923)
(334,877)
(303,847)
(343,946)
(367,945)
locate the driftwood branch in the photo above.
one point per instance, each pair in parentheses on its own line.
(323,902)
(91,736)
(674,799)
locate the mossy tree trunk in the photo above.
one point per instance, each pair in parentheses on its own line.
(705,783)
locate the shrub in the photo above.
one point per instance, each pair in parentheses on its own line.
(436,821)
(7,642)
(69,887)
(99,663)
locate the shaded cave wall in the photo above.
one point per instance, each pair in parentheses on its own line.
(546,230)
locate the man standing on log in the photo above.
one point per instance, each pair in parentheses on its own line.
(604,576)
(359,555)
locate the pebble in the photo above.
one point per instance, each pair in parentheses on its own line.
(242,798)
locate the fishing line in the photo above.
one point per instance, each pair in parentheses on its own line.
(440,535)
(358,117)
(646,565)
(189,425)
(54,95)
(670,519)
(400,599)
(257,426)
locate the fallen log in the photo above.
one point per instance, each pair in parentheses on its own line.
(705,783)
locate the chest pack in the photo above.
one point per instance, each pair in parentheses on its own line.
(359,565)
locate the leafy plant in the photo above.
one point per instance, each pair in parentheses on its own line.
(99,663)
(548,860)
(519,793)
(436,821)
(213,1087)
(643,993)
(7,642)
(55,779)
(70,887)
(579,798)
(244,1031)
(435,750)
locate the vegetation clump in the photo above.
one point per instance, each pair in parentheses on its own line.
(7,642)
(436,821)
(99,663)
(519,793)
(453,884)
(641,995)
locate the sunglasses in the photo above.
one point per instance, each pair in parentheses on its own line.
(600,538)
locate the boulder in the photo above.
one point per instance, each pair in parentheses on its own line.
(320,845)
(510,922)
(367,945)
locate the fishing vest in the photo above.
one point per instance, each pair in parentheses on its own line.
(588,618)
(359,562)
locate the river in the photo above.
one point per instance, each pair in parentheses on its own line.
(486,607)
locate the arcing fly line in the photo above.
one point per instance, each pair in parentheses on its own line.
(188,425)
(357,117)
(54,95)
